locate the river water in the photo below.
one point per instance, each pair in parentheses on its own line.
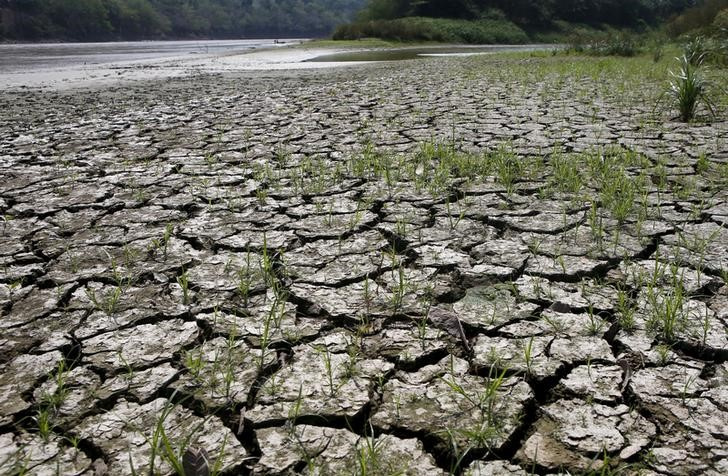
(44,56)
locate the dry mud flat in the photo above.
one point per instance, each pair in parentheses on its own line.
(484,265)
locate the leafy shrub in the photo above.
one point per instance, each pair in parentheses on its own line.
(485,31)
(698,17)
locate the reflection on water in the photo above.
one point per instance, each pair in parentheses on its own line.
(29,57)
(423,52)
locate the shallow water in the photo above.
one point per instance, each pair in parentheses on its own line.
(401,54)
(30,57)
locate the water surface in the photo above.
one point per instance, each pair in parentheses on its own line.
(43,56)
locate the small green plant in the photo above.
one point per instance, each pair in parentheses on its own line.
(184,283)
(162,243)
(528,355)
(595,326)
(487,402)
(454,222)
(325,354)
(6,218)
(458,454)
(43,421)
(108,303)
(626,310)
(663,353)
(194,362)
(369,457)
(184,458)
(269,324)
(702,165)
(508,167)
(667,312)
(696,50)
(399,291)
(685,392)
(567,177)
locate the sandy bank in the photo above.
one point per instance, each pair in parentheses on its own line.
(80,75)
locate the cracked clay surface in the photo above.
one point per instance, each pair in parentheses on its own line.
(486,265)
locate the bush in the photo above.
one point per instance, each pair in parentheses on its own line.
(619,44)
(485,31)
(699,17)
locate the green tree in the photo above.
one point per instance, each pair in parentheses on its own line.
(82,19)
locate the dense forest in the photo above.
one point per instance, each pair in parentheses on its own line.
(518,21)
(145,19)
(532,12)
(476,21)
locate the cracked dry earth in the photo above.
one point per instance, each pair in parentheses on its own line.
(493,265)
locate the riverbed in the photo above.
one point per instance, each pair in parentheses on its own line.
(495,264)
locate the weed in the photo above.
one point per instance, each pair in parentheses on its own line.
(702,164)
(508,167)
(556,324)
(528,355)
(369,457)
(108,303)
(162,243)
(265,335)
(567,176)
(618,193)
(667,312)
(329,367)
(663,353)
(458,453)
(6,218)
(182,455)
(490,423)
(453,223)
(43,421)
(626,310)
(184,284)
(194,362)
(686,387)
(595,325)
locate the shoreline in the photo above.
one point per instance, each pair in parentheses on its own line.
(286,55)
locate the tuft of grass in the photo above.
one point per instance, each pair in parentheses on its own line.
(688,89)
(509,168)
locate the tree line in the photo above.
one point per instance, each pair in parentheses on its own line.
(86,20)
(531,13)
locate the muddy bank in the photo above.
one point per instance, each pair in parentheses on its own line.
(480,265)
